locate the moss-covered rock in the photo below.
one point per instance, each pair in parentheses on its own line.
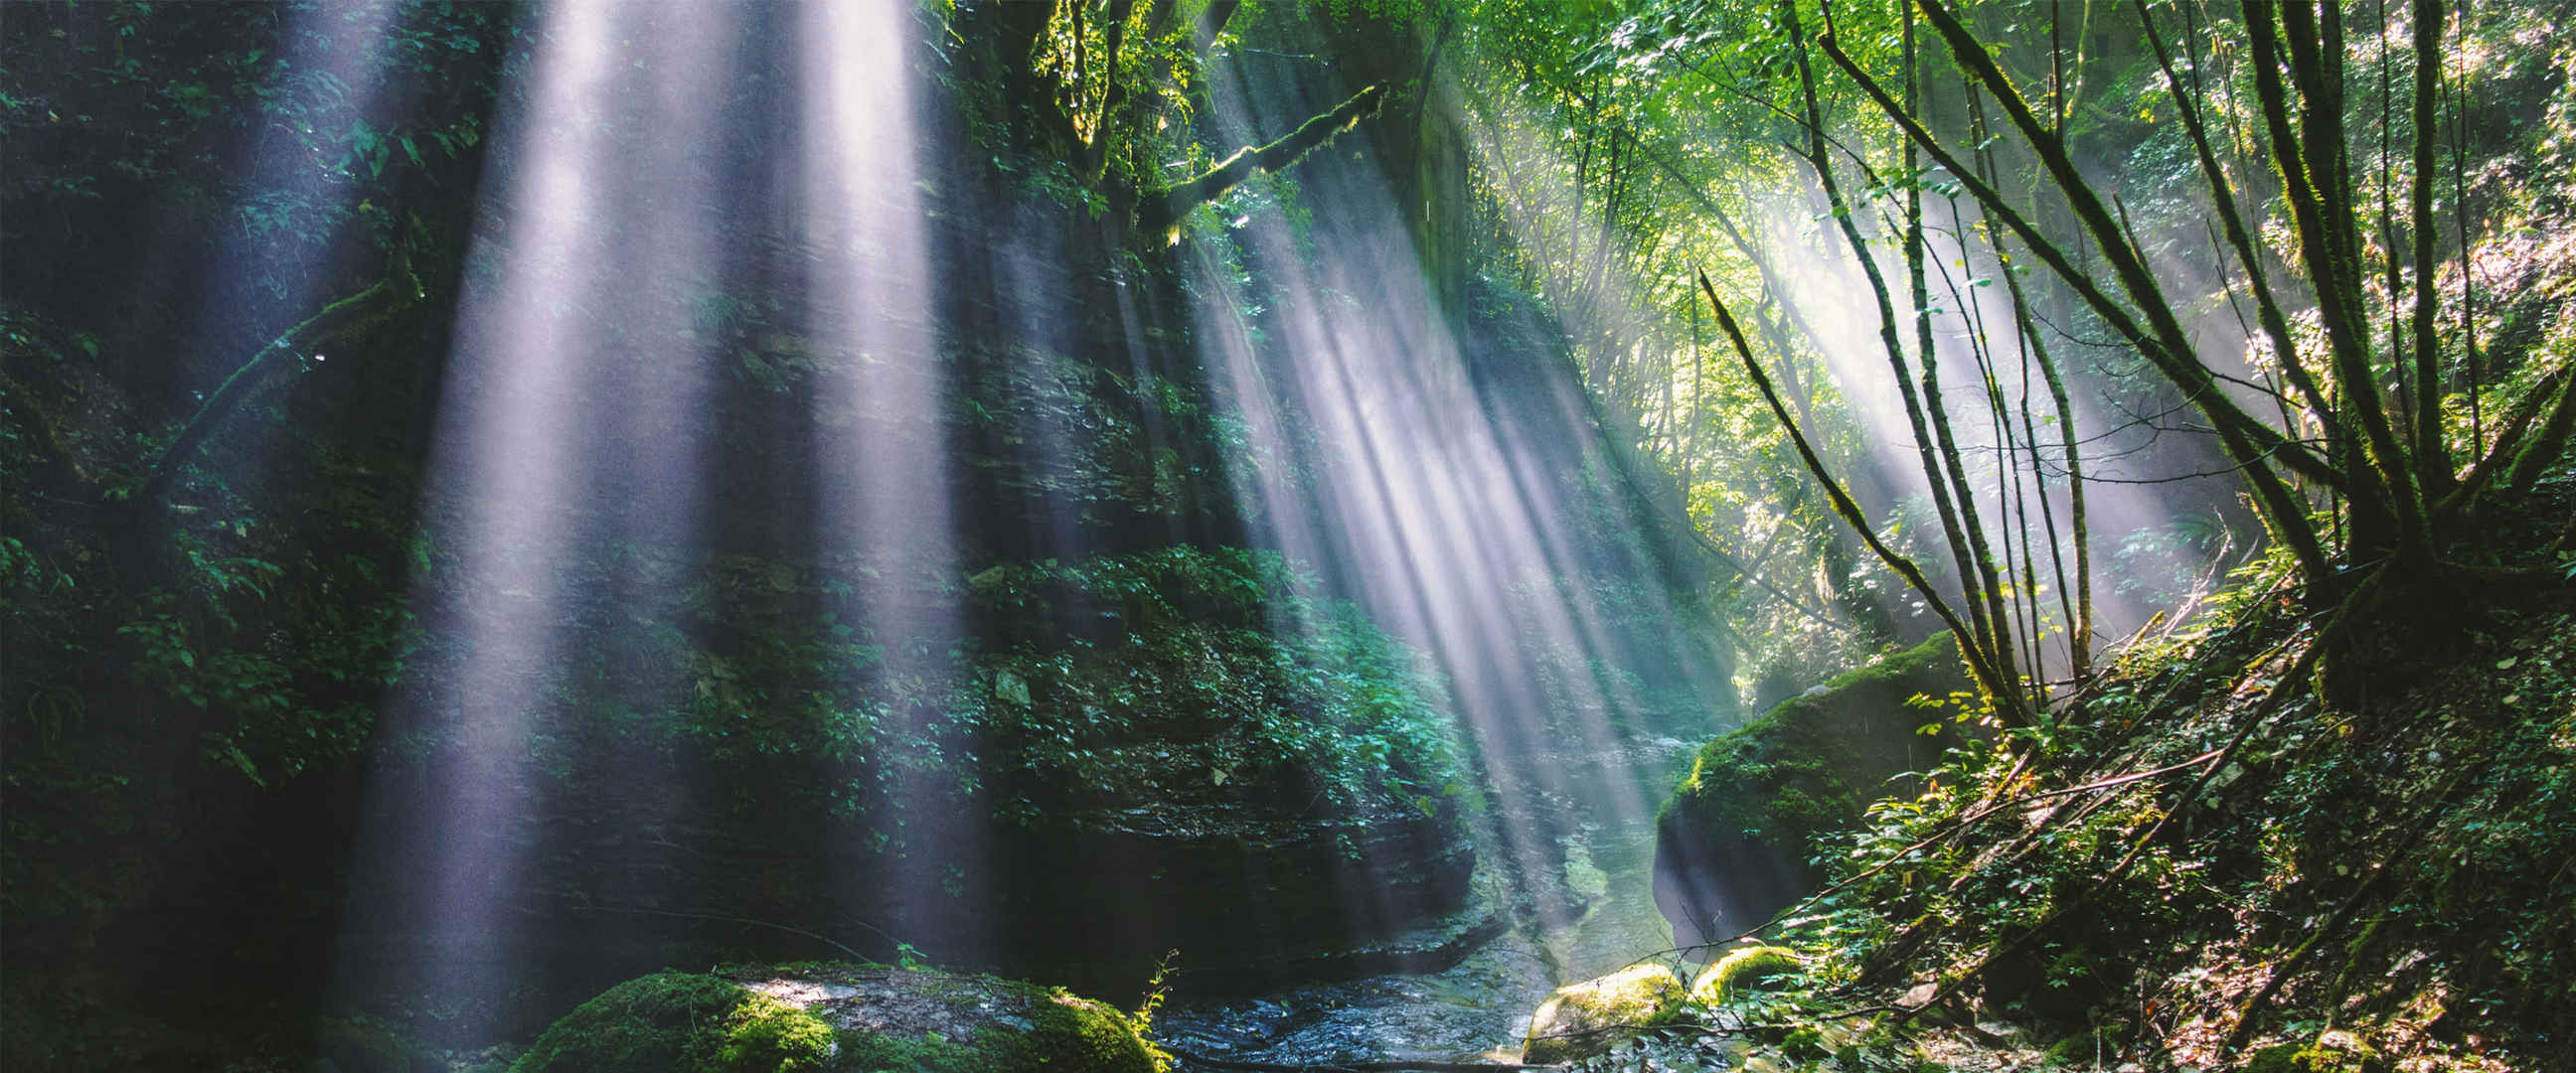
(2098,1046)
(837,1017)
(1741,968)
(1732,843)
(2336,1051)
(678,1020)
(370,1045)
(924,1021)
(1063,1034)
(1589,1018)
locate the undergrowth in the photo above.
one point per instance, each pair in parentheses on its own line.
(2201,863)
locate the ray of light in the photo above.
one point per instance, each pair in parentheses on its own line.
(1420,499)
(563,477)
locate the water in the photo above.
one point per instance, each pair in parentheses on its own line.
(1476,1010)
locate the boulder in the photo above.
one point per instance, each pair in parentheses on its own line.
(2334,1051)
(1589,1018)
(1732,843)
(841,1017)
(1742,967)
(678,1020)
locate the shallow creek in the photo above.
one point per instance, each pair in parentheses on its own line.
(1477,1009)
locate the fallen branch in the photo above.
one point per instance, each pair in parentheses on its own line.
(2282,690)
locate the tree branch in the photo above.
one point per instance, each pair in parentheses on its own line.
(1978,663)
(1164,213)
(339,320)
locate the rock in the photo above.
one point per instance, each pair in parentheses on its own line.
(843,1018)
(1589,1018)
(1739,969)
(1250,893)
(677,1020)
(369,1045)
(1732,842)
(2334,1051)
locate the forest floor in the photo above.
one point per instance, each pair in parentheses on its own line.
(2205,865)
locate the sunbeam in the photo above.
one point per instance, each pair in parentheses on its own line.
(1164,536)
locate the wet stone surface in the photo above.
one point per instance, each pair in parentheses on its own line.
(1478,1009)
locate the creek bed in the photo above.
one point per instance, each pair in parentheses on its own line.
(1478,1009)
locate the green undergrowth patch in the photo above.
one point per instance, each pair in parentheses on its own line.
(2206,864)
(2395,870)
(1181,676)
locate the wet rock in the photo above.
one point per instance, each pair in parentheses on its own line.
(1251,898)
(1589,1018)
(1732,843)
(837,1016)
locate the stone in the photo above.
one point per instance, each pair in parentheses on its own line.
(1589,1018)
(843,1017)
(1732,843)
(1741,968)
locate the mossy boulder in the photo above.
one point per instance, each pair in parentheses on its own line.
(1742,968)
(370,1045)
(1589,1018)
(678,1020)
(1732,843)
(2335,1051)
(845,1019)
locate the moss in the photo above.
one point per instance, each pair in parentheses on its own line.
(675,1020)
(1068,1035)
(1585,1019)
(1813,762)
(1741,968)
(2336,1051)
(368,1045)
(2099,1045)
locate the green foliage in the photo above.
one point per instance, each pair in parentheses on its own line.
(1179,678)
(1301,687)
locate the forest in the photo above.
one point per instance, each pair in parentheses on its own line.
(1348,536)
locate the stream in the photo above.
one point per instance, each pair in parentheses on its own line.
(1476,1010)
